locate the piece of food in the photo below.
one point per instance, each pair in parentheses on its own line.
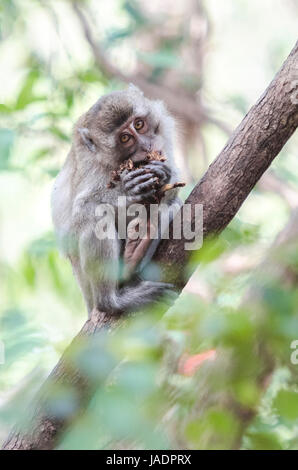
(129,166)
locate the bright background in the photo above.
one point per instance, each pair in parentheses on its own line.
(221,55)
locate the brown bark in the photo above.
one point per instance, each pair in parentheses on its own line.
(249,152)
(228,181)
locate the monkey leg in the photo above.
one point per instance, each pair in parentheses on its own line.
(83,282)
(100,268)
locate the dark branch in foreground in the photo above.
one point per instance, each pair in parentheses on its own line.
(228,181)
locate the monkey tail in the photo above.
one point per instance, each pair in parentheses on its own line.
(135,297)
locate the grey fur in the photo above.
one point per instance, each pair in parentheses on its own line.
(82,185)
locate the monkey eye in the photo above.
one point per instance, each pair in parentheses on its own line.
(124,138)
(139,124)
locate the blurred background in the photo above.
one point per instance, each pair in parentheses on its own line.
(209,61)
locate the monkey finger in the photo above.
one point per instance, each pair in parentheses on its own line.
(135,198)
(159,166)
(158,171)
(138,179)
(162,175)
(132,174)
(141,187)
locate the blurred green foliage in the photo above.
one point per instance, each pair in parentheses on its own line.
(142,399)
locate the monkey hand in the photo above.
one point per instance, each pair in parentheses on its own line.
(140,185)
(161,170)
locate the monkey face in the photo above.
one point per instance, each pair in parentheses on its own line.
(138,136)
(125,124)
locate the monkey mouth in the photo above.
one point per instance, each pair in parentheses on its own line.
(139,157)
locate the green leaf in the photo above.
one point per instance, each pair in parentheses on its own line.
(239,232)
(92,76)
(222,425)
(7,137)
(41,247)
(134,11)
(8,15)
(264,441)
(163,59)
(29,271)
(210,251)
(117,34)
(59,133)
(40,154)
(286,404)
(4,109)
(26,95)
(52,172)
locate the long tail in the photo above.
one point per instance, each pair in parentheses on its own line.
(136,297)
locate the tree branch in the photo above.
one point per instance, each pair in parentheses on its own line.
(178,102)
(249,152)
(226,184)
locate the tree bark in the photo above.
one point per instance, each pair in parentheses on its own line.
(248,153)
(226,184)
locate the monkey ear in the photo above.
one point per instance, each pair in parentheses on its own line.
(86,138)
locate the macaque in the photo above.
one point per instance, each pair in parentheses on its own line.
(119,126)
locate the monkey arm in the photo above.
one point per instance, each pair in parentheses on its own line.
(99,266)
(147,182)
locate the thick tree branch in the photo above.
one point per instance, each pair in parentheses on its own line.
(222,190)
(249,152)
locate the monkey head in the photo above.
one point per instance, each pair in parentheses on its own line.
(124,124)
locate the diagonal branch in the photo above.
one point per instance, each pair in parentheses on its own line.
(226,184)
(248,153)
